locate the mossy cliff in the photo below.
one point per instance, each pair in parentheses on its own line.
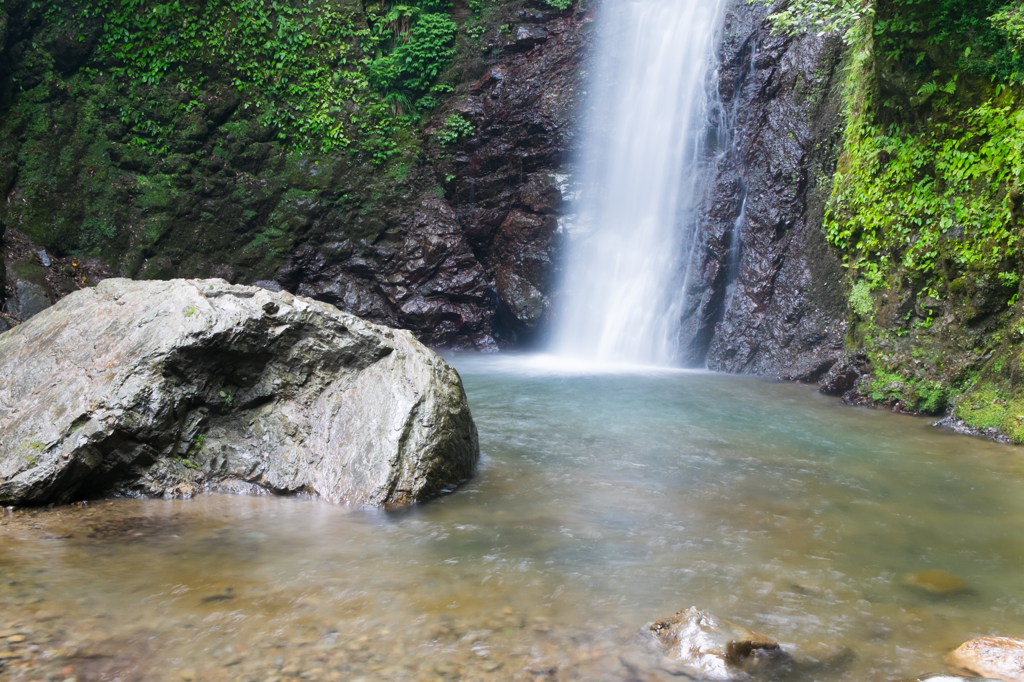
(403,162)
(927,208)
(296,143)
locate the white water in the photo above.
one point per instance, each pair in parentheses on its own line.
(625,283)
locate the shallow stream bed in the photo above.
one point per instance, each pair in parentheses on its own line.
(603,502)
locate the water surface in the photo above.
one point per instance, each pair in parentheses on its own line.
(603,501)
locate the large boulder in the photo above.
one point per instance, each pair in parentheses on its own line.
(173,387)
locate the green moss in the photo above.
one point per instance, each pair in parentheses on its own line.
(400,171)
(455,128)
(931,397)
(861,300)
(985,407)
(1013,419)
(927,206)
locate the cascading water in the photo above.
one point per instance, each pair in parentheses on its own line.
(625,282)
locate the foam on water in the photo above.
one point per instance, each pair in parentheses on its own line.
(551,364)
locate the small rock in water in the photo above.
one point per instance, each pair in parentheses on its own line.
(936,581)
(712,647)
(998,658)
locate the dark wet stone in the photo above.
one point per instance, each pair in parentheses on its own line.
(778,309)
(29,299)
(843,375)
(525,112)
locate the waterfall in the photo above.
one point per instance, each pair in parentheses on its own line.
(625,282)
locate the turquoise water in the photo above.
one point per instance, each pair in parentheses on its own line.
(603,502)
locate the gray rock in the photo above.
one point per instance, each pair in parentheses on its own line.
(174,387)
(268,284)
(529,36)
(29,299)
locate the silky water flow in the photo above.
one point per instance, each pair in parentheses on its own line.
(641,175)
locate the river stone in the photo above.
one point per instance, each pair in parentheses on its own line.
(711,647)
(997,658)
(179,386)
(935,581)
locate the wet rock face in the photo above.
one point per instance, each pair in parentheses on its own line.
(410,242)
(997,658)
(776,306)
(474,268)
(841,379)
(503,181)
(174,387)
(421,276)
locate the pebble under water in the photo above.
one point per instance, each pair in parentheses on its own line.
(603,502)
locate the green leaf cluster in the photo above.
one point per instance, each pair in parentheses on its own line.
(915,33)
(935,200)
(317,74)
(414,63)
(820,16)
(455,128)
(929,184)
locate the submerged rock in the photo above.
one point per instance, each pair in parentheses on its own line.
(695,642)
(936,581)
(173,387)
(997,658)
